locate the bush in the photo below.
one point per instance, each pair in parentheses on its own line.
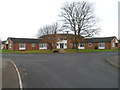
(56,51)
(96,47)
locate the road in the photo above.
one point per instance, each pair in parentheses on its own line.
(68,70)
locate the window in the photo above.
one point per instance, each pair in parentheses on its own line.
(10,46)
(101,44)
(90,44)
(52,44)
(33,45)
(82,45)
(42,45)
(71,44)
(113,44)
(22,46)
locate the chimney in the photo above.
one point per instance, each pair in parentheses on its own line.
(67,32)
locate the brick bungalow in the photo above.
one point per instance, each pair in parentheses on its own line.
(61,41)
(99,43)
(22,44)
(66,41)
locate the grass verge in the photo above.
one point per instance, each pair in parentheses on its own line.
(88,50)
(30,51)
(49,51)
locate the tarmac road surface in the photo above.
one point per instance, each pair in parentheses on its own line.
(68,70)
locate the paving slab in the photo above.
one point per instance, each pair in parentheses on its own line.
(9,75)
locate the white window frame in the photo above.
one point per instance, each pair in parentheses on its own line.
(44,46)
(23,46)
(81,46)
(52,44)
(113,44)
(10,45)
(90,44)
(71,44)
(102,45)
(33,45)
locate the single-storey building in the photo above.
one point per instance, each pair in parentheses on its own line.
(66,41)
(22,44)
(61,41)
(99,43)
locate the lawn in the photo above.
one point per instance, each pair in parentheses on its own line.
(49,51)
(30,51)
(89,50)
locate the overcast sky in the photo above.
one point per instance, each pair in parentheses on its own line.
(23,18)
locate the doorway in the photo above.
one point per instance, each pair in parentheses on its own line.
(61,45)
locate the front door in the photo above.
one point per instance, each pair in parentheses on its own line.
(61,45)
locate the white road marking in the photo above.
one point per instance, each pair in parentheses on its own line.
(20,81)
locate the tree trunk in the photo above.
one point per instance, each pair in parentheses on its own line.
(50,46)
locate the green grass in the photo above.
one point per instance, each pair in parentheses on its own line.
(49,51)
(88,50)
(30,51)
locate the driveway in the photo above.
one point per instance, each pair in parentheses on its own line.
(69,70)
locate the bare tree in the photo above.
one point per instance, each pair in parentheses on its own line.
(48,34)
(79,17)
(48,29)
(50,39)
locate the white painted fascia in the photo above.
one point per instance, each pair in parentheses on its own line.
(10,40)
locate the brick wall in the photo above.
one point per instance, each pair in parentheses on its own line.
(29,46)
(10,42)
(119,45)
(15,46)
(113,41)
(90,47)
(108,45)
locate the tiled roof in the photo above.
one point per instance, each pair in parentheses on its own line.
(97,40)
(24,40)
(60,35)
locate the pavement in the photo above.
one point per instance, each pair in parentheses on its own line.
(61,51)
(113,60)
(9,75)
(0,72)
